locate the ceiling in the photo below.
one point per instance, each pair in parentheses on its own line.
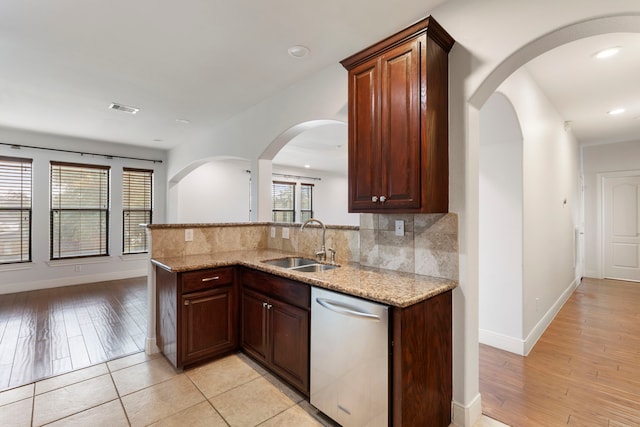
(191,65)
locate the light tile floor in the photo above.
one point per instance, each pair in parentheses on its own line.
(141,390)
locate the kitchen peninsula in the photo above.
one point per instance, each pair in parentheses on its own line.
(229,276)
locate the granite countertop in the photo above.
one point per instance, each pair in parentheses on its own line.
(394,288)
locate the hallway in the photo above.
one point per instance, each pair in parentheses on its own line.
(582,372)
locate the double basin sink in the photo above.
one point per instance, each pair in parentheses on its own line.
(300,264)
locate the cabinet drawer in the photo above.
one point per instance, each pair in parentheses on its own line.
(204,279)
(290,291)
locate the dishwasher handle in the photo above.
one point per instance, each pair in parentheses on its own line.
(345,309)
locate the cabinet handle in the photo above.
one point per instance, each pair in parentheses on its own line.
(269,306)
(208,279)
(186,302)
(374,199)
(383,199)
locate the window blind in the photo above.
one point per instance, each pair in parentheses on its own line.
(137,208)
(306,202)
(15,210)
(79,210)
(283,196)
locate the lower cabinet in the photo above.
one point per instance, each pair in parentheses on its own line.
(197,314)
(274,318)
(208,323)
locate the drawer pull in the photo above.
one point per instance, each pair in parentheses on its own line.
(186,302)
(208,279)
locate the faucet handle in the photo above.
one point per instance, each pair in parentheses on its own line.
(333,255)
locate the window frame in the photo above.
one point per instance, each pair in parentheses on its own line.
(275,211)
(125,223)
(22,184)
(105,190)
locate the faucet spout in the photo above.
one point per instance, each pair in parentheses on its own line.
(322,254)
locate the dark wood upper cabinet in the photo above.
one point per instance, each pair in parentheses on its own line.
(398,122)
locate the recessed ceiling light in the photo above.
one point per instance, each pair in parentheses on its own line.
(616,111)
(183,121)
(607,53)
(307,166)
(123,108)
(298,51)
(157,140)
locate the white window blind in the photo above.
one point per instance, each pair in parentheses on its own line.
(306,202)
(79,210)
(137,208)
(15,210)
(283,196)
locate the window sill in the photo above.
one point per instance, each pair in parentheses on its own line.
(135,257)
(78,261)
(17,266)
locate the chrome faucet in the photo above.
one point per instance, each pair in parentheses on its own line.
(322,253)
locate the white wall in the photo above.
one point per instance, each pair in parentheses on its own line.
(501,228)
(606,158)
(550,177)
(218,191)
(42,273)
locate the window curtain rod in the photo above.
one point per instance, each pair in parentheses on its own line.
(108,156)
(282,175)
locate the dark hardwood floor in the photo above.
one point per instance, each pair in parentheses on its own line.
(584,370)
(51,331)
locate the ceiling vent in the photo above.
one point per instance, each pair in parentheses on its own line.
(123,108)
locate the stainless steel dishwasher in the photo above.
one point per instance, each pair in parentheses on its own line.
(349,359)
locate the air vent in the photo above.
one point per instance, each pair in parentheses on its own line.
(124,108)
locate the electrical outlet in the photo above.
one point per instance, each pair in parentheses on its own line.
(285,232)
(399,227)
(188,235)
(78,268)
(273,232)
(537,304)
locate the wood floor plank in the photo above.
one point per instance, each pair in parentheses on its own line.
(582,372)
(52,331)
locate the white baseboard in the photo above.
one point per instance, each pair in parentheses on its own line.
(68,281)
(546,320)
(466,416)
(518,345)
(503,342)
(151,346)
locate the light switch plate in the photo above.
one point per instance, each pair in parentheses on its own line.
(188,235)
(399,227)
(273,232)
(285,232)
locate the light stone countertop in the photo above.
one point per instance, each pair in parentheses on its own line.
(393,288)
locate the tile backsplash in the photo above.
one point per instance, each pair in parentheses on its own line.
(429,245)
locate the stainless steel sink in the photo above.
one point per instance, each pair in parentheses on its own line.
(314,267)
(290,262)
(299,264)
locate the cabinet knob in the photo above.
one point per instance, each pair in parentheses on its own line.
(374,199)
(186,302)
(269,306)
(264,304)
(383,199)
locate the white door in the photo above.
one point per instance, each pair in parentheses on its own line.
(621,227)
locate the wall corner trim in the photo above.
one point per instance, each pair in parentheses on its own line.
(466,416)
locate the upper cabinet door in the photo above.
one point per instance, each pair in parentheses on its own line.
(400,126)
(364,135)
